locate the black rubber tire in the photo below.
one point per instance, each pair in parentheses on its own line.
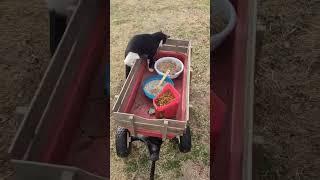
(122,147)
(185,141)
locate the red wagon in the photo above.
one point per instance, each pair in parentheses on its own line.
(131,108)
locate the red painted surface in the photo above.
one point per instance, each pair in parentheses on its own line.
(218,116)
(228,83)
(91,154)
(139,104)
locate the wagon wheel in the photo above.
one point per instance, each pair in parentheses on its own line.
(123,144)
(185,141)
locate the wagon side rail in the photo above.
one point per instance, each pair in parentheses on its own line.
(31,119)
(36,170)
(124,93)
(182,46)
(176,45)
(188,82)
(164,126)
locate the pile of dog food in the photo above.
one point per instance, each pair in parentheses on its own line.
(168,65)
(165,98)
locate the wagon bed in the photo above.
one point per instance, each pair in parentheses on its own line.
(131,107)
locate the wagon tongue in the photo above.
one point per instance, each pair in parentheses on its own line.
(154,145)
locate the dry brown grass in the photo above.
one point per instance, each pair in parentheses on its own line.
(182,20)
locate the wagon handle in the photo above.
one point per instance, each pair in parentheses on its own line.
(164,77)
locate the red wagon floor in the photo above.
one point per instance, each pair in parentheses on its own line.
(89,149)
(139,104)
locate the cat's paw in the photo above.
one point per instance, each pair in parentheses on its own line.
(151,70)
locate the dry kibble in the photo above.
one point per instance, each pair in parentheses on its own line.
(165,98)
(168,65)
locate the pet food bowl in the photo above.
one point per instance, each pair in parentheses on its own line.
(225,10)
(170,59)
(151,78)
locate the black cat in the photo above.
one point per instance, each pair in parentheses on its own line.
(143,46)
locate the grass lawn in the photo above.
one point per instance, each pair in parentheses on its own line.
(181,19)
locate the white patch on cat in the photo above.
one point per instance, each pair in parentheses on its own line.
(131,59)
(160,44)
(148,62)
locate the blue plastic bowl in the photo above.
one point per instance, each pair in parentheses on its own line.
(151,78)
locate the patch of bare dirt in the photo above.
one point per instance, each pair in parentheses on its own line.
(24,54)
(287,86)
(192,170)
